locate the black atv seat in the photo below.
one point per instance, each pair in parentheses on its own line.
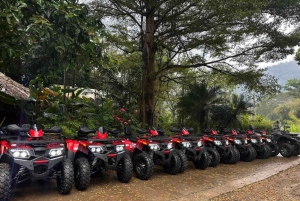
(84,131)
(15,129)
(54,129)
(113,131)
(142,131)
(175,130)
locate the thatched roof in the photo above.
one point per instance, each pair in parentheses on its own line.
(13,88)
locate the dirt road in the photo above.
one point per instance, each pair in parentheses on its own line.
(191,185)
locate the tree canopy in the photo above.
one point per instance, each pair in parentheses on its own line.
(197,34)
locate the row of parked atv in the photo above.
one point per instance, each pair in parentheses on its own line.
(27,154)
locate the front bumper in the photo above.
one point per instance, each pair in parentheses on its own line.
(110,159)
(40,168)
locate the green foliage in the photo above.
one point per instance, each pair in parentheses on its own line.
(267,106)
(197,102)
(259,122)
(289,112)
(294,128)
(293,87)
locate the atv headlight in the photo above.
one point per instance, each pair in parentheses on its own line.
(226,142)
(199,143)
(154,146)
(246,141)
(254,140)
(19,153)
(260,140)
(170,145)
(186,144)
(269,140)
(119,148)
(217,142)
(237,142)
(97,149)
(56,152)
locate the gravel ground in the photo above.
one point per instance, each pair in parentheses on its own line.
(284,186)
(275,178)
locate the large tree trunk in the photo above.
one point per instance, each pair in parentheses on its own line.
(149,76)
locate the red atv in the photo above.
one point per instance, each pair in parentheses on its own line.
(151,149)
(227,153)
(26,154)
(95,152)
(247,152)
(191,146)
(263,150)
(267,139)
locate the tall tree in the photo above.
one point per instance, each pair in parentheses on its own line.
(196,34)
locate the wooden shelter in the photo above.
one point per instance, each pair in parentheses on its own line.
(13,88)
(10,112)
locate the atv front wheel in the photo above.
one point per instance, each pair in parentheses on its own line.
(286,150)
(125,169)
(250,155)
(265,153)
(214,157)
(204,161)
(173,165)
(238,155)
(275,149)
(66,177)
(5,181)
(82,173)
(231,158)
(183,159)
(143,166)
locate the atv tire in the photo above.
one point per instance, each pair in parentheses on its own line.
(250,155)
(125,169)
(214,157)
(143,166)
(204,161)
(275,149)
(238,155)
(286,150)
(5,182)
(265,153)
(82,174)
(66,177)
(296,150)
(183,159)
(232,157)
(173,165)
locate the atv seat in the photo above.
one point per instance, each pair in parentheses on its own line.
(175,130)
(16,130)
(54,129)
(84,131)
(113,131)
(141,131)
